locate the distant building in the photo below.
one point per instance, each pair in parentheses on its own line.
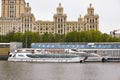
(115,33)
(16,16)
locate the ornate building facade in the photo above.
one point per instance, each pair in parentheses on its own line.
(16,16)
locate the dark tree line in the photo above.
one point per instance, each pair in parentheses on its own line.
(84,36)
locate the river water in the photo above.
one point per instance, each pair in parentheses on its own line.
(59,71)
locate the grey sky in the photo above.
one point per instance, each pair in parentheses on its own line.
(108,10)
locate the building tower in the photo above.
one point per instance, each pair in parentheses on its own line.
(80,23)
(91,20)
(27,19)
(60,18)
(12,8)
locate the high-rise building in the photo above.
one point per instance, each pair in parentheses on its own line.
(16,16)
(13,8)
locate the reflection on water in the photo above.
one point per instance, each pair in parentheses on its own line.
(59,71)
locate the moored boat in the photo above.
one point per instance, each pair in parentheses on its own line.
(40,55)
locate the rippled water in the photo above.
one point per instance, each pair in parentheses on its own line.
(59,71)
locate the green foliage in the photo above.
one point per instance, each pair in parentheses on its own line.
(72,37)
(45,37)
(89,36)
(85,36)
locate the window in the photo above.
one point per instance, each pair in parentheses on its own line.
(58,31)
(40,28)
(90,20)
(58,20)
(91,12)
(61,20)
(58,25)
(87,19)
(96,20)
(46,27)
(73,29)
(90,27)
(53,28)
(21,55)
(78,28)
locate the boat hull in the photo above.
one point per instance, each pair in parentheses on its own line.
(52,60)
(90,59)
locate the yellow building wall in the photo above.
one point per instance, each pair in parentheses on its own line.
(4,51)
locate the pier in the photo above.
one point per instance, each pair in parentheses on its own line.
(108,50)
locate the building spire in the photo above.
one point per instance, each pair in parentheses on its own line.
(90,10)
(59,9)
(59,4)
(90,5)
(80,16)
(28,8)
(80,19)
(27,4)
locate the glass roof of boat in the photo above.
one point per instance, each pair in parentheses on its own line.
(78,46)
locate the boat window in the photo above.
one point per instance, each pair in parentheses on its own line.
(74,50)
(29,50)
(38,50)
(21,55)
(19,50)
(52,56)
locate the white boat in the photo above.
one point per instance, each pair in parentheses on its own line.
(89,57)
(40,55)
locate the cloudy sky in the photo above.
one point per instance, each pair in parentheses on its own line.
(108,10)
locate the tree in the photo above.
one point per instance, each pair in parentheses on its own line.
(45,37)
(85,36)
